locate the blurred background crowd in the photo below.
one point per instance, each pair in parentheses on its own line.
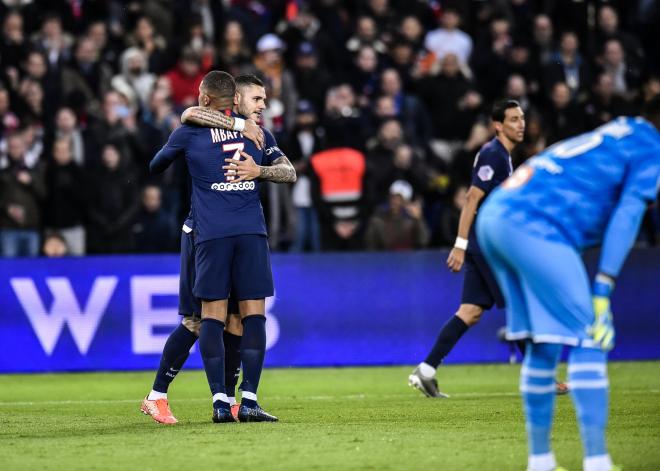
(380,104)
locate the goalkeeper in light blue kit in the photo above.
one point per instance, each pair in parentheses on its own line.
(586,191)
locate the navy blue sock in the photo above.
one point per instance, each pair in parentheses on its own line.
(253,350)
(522,346)
(232,362)
(174,355)
(212,348)
(451,333)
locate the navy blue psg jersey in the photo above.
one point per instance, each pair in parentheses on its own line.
(492,166)
(219,208)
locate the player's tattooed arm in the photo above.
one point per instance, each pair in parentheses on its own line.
(281,171)
(209,118)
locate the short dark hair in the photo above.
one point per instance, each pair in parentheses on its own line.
(219,84)
(246,80)
(500,107)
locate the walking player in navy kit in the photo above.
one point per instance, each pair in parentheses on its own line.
(230,232)
(492,166)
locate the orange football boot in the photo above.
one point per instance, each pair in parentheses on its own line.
(159,410)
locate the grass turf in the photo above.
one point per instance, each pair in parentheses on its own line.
(352,418)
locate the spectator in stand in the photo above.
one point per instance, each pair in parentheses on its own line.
(66,126)
(343,120)
(543,43)
(13,46)
(398,225)
(338,177)
(604,104)
(108,46)
(53,41)
(366,34)
(85,79)
(407,108)
(516,89)
(311,77)
(22,191)
(153,45)
(113,203)
(453,102)
(65,207)
(185,79)
(412,31)
(380,160)
(153,227)
(449,39)
(568,66)
(607,27)
(627,77)
(134,78)
(280,86)
(305,140)
(363,77)
(563,118)
(233,51)
(491,58)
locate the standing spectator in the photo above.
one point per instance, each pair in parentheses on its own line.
(543,43)
(568,66)
(153,45)
(54,245)
(8,120)
(627,78)
(22,191)
(13,47)
(185,79)
(53,41)
(491,58)
(311,77)
(607,27)
(408,109)
(66,206)
(86,79)
(604,104)
(134,77)
(234,52)
(343,120)
(280,86)
(563,118)
(363,77)
(66,126)
(154,227)
(449,38)
(366,34)
(113,203)
(306,140)
(398,225)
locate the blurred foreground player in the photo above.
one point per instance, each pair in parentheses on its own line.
(589,190)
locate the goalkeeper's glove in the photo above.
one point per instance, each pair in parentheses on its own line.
(602,330)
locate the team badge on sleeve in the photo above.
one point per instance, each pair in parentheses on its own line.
(485,173)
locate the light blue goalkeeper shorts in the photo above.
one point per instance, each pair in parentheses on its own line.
(545,283)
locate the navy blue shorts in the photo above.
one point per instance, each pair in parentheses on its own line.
(189,305)
(240,264)
(479,285)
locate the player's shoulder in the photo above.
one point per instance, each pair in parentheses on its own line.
(492,148)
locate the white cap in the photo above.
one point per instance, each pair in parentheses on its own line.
(269,42)
(403,188)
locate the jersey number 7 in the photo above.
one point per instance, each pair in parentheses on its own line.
(237,147)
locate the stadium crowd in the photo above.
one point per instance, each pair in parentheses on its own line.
(380,104)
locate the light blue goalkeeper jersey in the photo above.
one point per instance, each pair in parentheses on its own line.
(588,190)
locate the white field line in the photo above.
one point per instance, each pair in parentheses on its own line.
(294,398)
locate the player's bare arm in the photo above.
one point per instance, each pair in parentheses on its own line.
(281,170)
(457,254)
(209,118)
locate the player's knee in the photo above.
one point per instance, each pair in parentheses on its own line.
(470,313)
(192,323)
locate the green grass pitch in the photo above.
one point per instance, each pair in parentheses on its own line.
(350,418)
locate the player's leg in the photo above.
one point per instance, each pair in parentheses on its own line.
(253,282)
(212,284)
(180,341)
(475,298)
(232,340)
(587,372)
